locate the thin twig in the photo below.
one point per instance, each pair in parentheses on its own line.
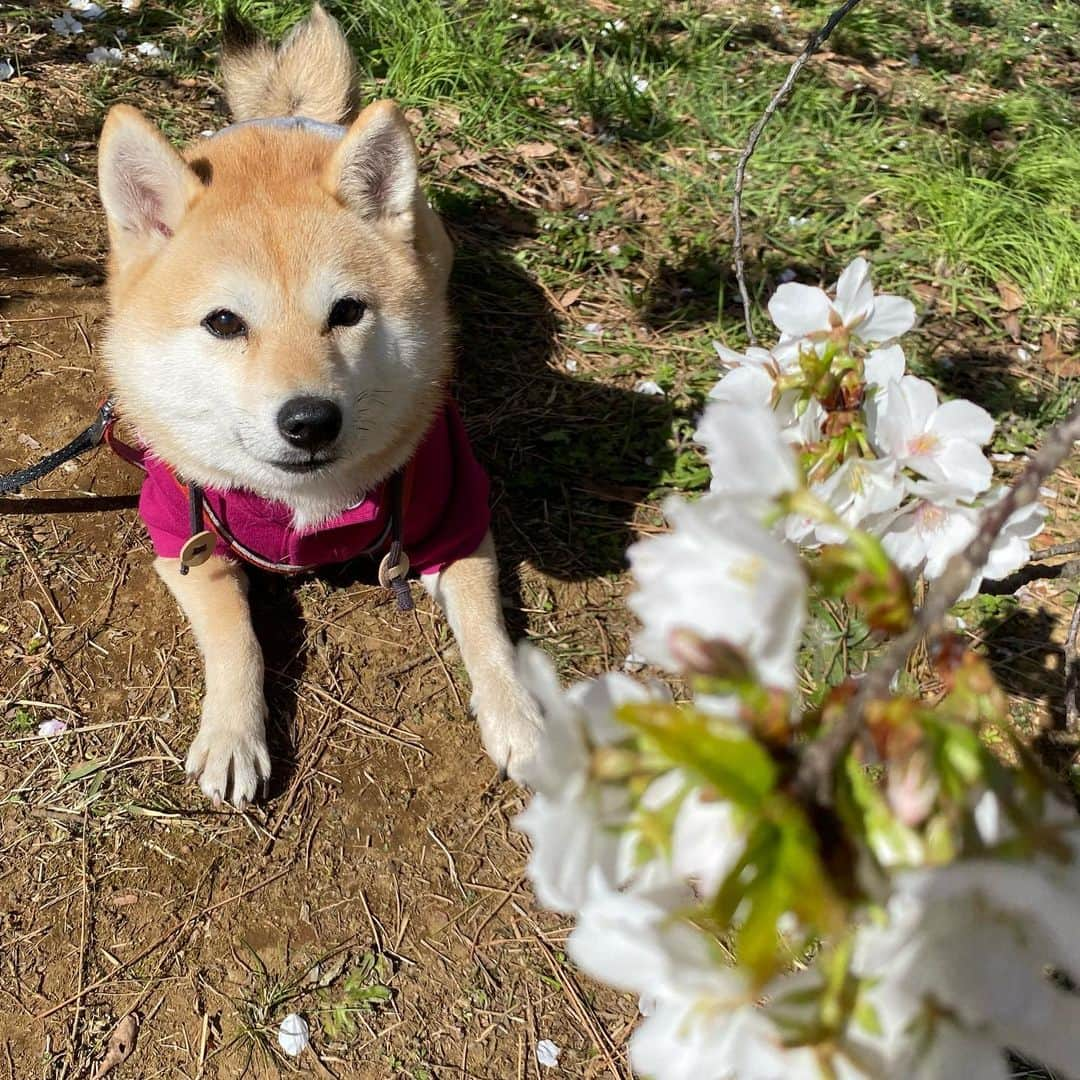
(1072,673)
(1053,552)
(813,43)
(815,774)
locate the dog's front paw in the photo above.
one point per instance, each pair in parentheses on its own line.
(511,728)
(229,757)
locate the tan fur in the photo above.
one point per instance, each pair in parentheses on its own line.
(313,73)
(230,748)
(277,221)
(468,591)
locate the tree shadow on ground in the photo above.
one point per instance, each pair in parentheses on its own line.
(569,458)
(18,262)
(990,378)
(1028,665)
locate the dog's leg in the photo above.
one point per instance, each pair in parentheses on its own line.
(510,722)
(229,755)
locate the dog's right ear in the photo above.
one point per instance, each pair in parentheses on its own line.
(146,187)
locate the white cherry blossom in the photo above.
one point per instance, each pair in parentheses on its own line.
(884,365)
(573,820)
(1012,545)
(724,576)
(707,840)
(748,385)
(805,313)
(929,530)
(940,442)
(746,453)
(768,360)
(975,937)
(857,490)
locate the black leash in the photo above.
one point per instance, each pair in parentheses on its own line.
(84,441)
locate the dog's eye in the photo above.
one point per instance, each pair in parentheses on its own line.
(225,324)
(347,311)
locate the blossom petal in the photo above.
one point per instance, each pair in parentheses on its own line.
(724,576)
(800,309)
(957,463)
(707,840)
(294,1037)
(891,317)
(745,450)
(963,420)
(754,355)
(885,365)
(855,293)
(744,385)
(571,843)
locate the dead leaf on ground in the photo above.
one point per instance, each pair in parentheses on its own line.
(1012,325)
(569,195)
(534,150)
(1012,299)
(121,1044)
(927,292)
(571,296)
(447,116)
(1066,365)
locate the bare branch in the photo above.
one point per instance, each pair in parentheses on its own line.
(1072,673)
(1053,552)
(814,778)
(813,43)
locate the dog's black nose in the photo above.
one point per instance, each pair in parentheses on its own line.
(309,422)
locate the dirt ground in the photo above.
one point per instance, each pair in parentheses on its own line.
(379,890)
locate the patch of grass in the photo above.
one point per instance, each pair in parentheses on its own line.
(363,989)
(1012,219)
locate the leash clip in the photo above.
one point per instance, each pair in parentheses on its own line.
(106,416)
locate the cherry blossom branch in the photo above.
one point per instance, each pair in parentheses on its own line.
(815,774)
(813,43)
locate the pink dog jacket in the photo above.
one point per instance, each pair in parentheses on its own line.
(446,512)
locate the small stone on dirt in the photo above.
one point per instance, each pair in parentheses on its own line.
(294,1035)
(121,1043)
(547,1053)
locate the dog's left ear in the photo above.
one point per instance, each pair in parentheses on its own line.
(373,170)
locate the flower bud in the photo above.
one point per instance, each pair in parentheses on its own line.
(911,789)
(696,655)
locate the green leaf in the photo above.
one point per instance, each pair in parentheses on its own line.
(735,765)
(780,872)
(83,770)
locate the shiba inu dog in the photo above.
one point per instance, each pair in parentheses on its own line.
(278,337)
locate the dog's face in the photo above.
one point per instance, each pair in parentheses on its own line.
(278,303)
